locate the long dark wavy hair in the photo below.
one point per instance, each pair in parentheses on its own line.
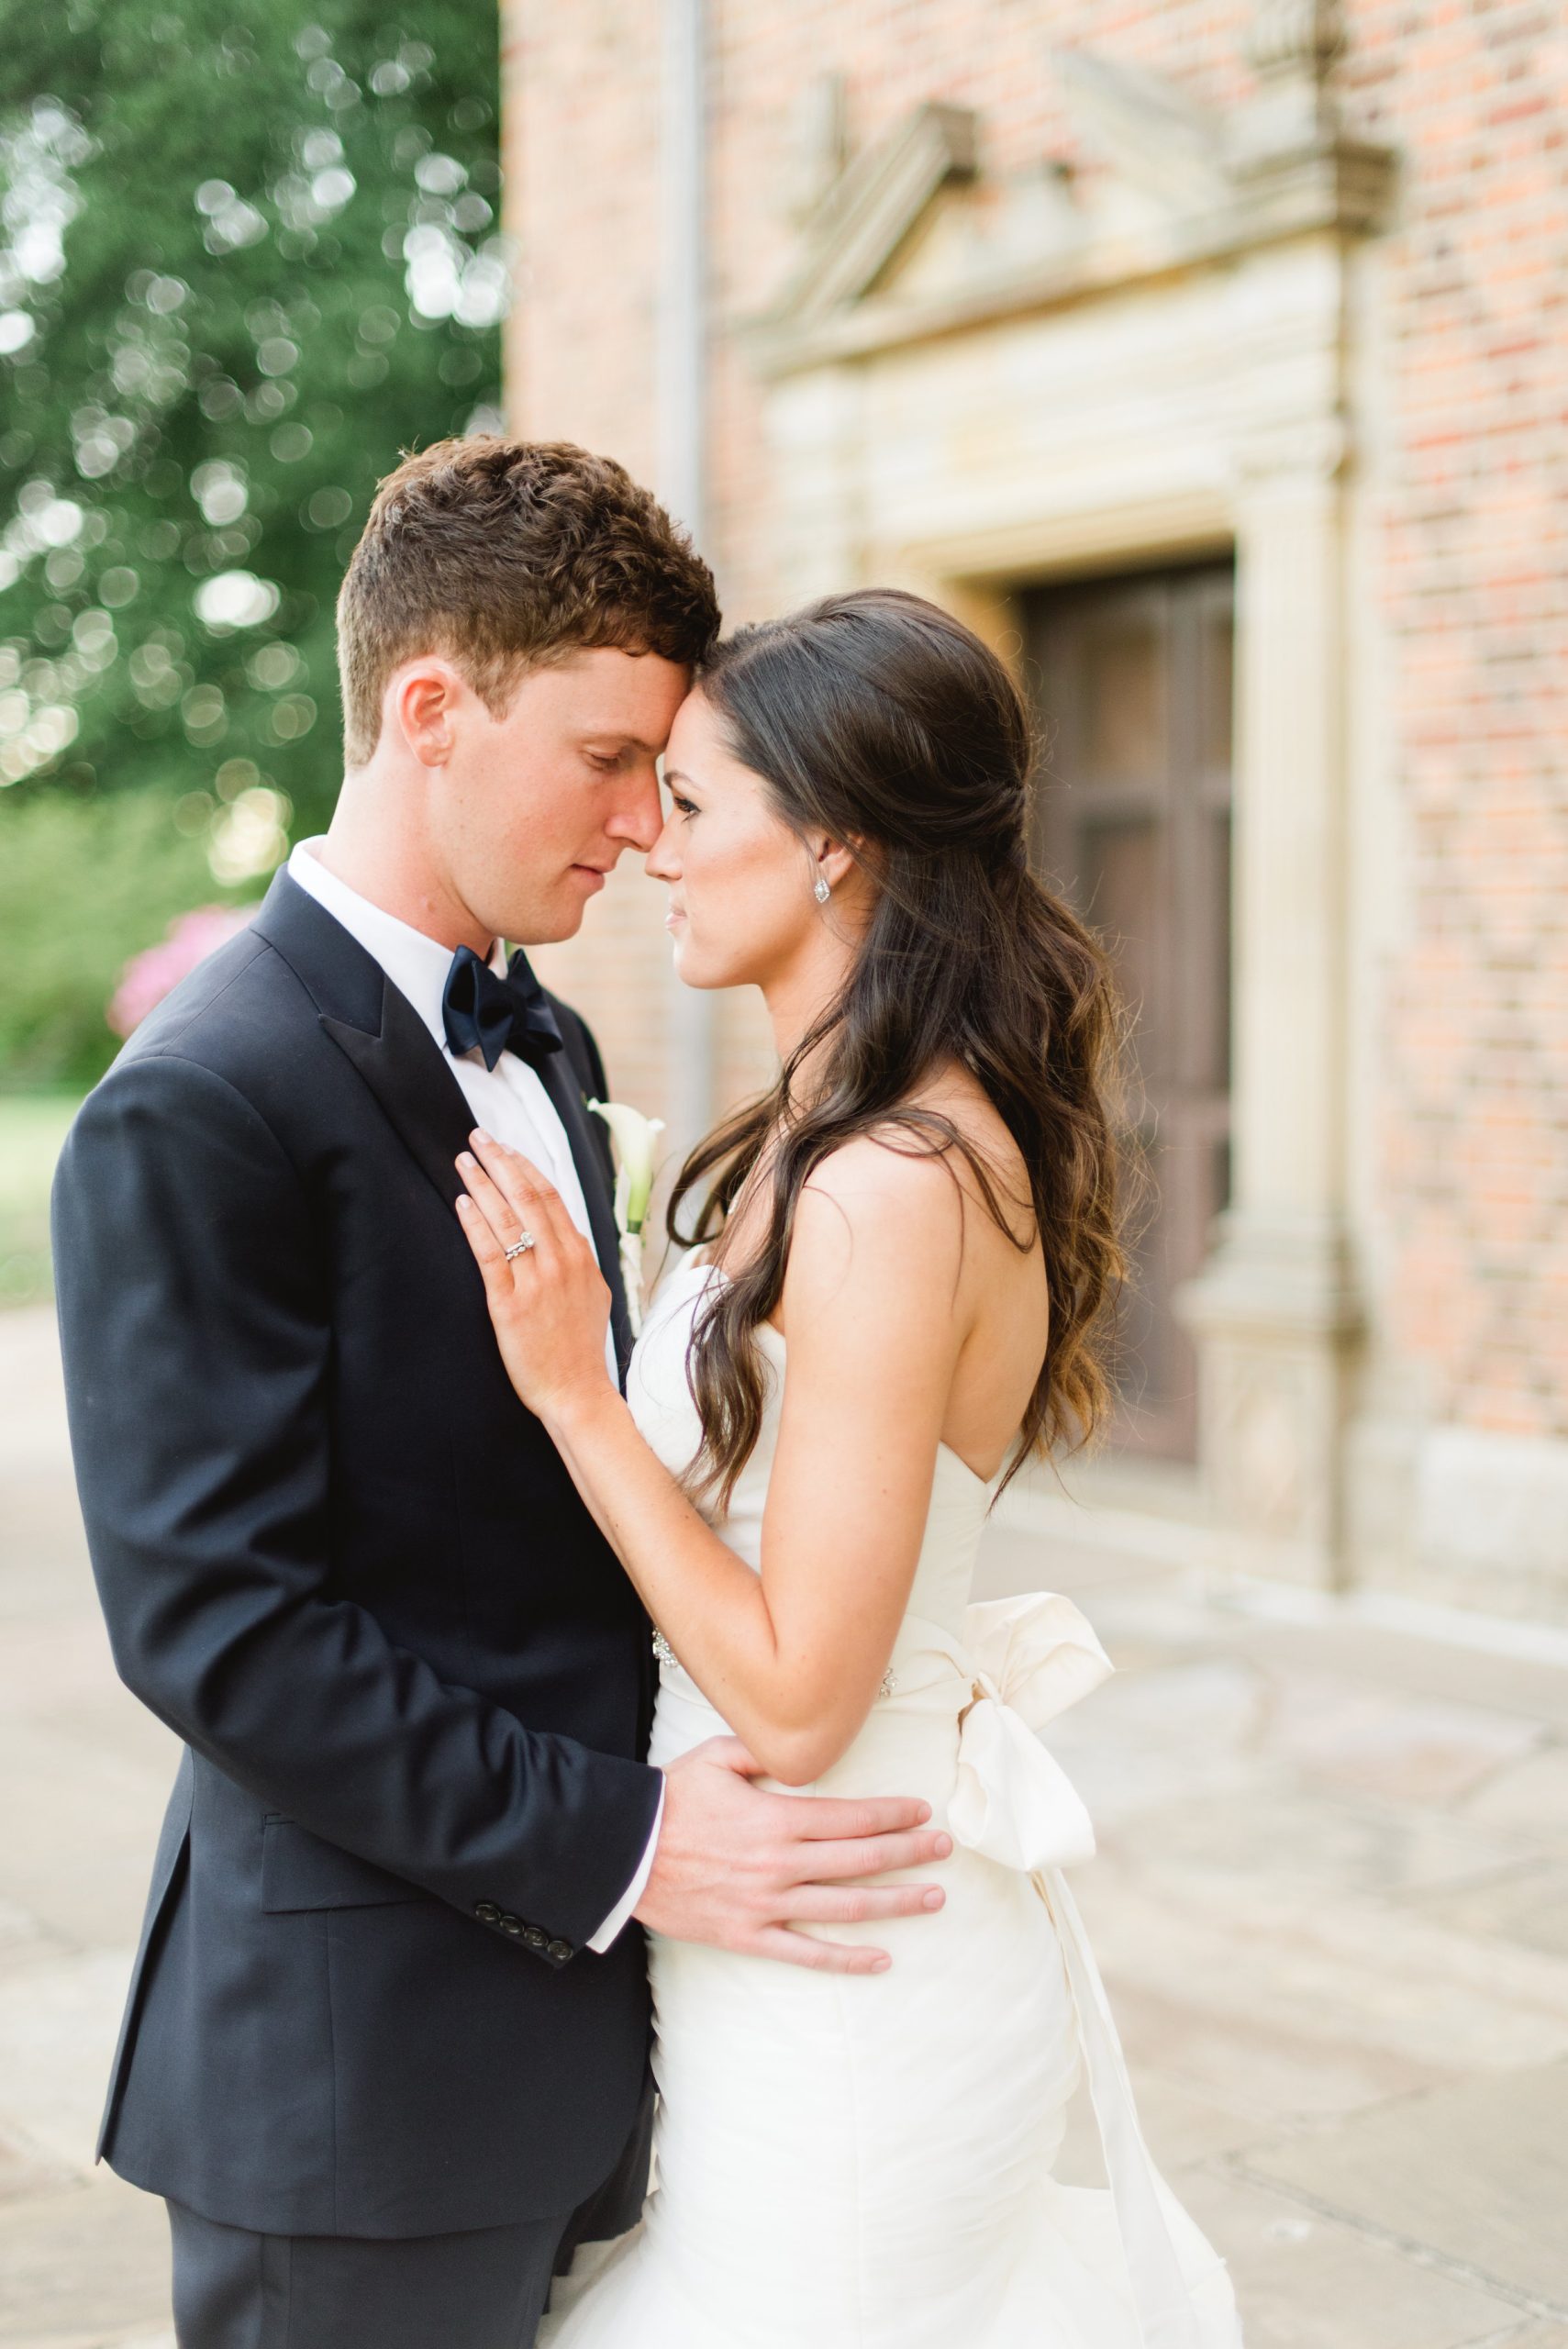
(881,720)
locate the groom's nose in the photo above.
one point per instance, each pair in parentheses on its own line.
(638,816)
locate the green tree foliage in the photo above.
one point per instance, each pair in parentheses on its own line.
(83,883)
(249,254)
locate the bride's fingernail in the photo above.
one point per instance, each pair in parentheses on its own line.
(882,1965)
(944,1847)
(480,1134)
(933,1899)
(465,1160)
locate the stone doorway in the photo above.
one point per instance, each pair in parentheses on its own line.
(1133,683)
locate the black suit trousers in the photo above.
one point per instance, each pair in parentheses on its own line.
(485,2288)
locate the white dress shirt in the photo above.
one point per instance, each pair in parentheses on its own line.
(509,1101)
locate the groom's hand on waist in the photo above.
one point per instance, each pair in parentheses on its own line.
(745,1870)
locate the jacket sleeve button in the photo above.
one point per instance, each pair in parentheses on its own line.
(559,1951)
(513,1925)
(487,1912)
(534,1937)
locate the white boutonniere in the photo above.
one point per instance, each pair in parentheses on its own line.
(634,1136)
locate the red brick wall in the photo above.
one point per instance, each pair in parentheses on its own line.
(1471,544)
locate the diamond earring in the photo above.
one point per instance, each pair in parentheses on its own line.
(823,891)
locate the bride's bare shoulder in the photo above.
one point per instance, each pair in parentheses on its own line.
(903,1194)
(890,1173)
(874,1215)
(948,1134)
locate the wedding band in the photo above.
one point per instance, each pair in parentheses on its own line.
(520,1247)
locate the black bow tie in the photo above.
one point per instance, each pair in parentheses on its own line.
(497,1015)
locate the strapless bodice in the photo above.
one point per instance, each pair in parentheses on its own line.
(661,1402)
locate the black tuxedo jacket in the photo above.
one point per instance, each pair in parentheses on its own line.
(340,1558)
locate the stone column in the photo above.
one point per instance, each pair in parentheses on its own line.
(1274,1312)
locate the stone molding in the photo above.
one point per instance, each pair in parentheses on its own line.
(871,208)
(1213,186)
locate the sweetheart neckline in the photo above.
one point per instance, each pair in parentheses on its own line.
(767,1327)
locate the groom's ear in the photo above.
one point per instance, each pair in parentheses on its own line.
(422,701)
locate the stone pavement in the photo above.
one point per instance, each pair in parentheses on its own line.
(1332,1906)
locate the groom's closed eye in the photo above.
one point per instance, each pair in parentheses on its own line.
(619,754)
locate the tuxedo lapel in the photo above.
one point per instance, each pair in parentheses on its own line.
(413,1081)
(376,1029)
(560,1083)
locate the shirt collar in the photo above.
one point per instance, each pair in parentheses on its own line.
(415,965)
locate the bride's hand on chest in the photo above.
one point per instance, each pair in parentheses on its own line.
(550,1305)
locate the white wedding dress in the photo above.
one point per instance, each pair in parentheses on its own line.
(865,2162)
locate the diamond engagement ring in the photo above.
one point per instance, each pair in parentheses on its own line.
(520,1247)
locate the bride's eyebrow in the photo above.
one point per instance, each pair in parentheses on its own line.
(673,775)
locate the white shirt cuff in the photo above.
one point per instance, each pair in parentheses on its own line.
(620,1914)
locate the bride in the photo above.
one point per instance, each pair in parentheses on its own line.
(893,1300)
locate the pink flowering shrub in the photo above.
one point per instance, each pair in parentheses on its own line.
(149,977)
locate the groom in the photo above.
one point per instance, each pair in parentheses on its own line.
(385,2048)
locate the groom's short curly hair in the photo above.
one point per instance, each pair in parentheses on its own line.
(502,555)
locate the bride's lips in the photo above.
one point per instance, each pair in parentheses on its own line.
(676,914)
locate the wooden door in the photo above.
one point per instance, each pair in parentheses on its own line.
(1133,826)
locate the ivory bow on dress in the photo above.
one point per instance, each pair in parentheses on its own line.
(1033,1657)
